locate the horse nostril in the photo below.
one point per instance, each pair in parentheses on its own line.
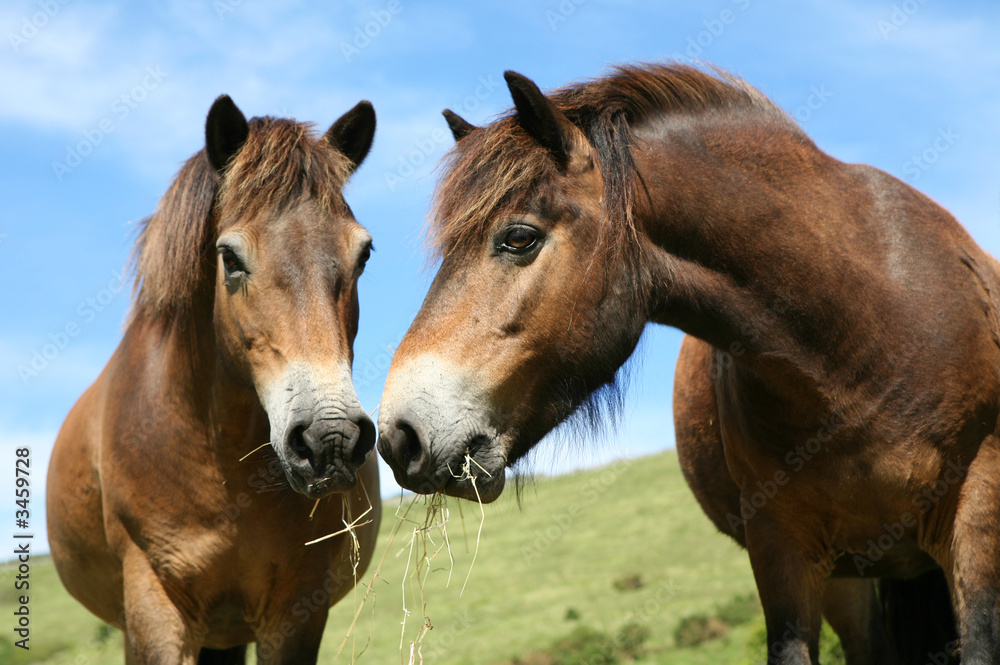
(410,457)
(298,446)
(365,442)
(409,447)
(476,443)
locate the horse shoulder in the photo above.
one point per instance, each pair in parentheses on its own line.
(86,564)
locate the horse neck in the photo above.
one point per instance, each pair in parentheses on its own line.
(756,248)
(201,392)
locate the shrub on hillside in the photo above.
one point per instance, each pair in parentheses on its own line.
(629,582)
(103,633)
(585,646)
(698,629)
(739,610)
(830,651)
(632,641)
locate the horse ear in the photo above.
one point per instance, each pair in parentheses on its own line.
(352,135)
(226,131)
(538,116)
(458,125)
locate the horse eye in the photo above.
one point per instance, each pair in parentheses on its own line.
(520,239)
(366,254)
(230,261)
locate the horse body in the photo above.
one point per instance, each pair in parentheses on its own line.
(844,380)
(837,402)
(891,393)
(850,602)
(155,524)
(871,334)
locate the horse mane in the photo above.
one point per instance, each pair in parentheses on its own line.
(280,163)
(500,164)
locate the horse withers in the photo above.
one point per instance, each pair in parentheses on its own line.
(842,359)
(241,334)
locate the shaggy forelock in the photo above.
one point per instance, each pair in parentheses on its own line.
(281,162)
(499,166)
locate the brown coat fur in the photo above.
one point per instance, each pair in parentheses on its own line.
(155,524)
(844,382)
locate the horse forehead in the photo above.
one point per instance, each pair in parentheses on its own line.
(304,224)
(472,214)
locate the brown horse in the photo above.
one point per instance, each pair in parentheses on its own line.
(242,331)
(838,396)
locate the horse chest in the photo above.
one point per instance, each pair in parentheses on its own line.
(877,508)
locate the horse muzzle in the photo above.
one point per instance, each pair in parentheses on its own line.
(319,431)
(426,460)
(323,456)
(438,433)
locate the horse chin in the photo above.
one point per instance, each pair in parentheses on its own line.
(482,489)
(479,474)
(321,486)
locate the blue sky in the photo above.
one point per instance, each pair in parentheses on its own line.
(102,103)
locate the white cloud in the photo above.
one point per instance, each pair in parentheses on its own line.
(81,69)
(61,78)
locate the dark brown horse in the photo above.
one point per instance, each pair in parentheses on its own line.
(241,333)
(838,396)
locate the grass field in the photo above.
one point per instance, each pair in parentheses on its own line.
(591,552)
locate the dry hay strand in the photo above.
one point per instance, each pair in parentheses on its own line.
(350,527)
(428,539)
(466,473)
(351,524)
(370,586)
(261,446)
(422,549)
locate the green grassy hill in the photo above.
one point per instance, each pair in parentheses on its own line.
(584,556)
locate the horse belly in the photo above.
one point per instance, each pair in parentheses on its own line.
(877,526)
(904,562)
(865,527)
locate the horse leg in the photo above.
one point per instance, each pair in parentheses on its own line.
(156,632)
(283,641)
(852,609)
(231,656)
(791,577)
(702,457)
(919,618)
(850,606)
(976,553)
